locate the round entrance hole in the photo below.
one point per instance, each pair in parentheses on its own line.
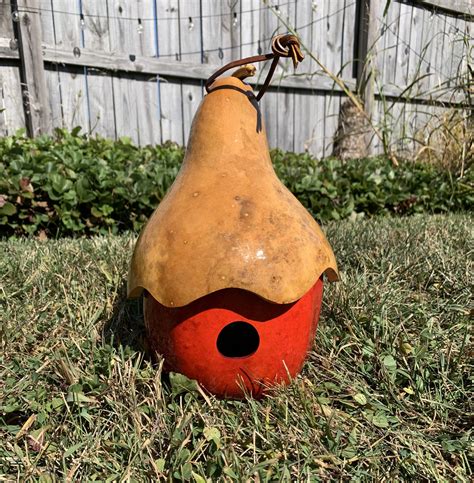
(238,339)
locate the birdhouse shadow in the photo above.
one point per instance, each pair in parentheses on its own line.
(126,326)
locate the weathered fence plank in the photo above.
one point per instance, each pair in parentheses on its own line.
(436,52)
(391,44)
(317,39)
(100,97)
(71,90)
(35,92)
(285,99)
(370,53)
(231,30)
(332,107)
(125,32)
(147,87)
(392,52)
(171,87)
(332,27)
(303,26)
(268,105)
(348,39)
(191,42)
(249,27)
(331,56)
(11,105)
(309,122)
(214,38)
(309,111)
(51,70)
(6,24)
(401,68)
(149,114)
(428,33)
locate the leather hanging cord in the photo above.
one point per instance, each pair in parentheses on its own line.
(286,45)
(251,97)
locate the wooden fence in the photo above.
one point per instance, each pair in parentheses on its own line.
(137,68)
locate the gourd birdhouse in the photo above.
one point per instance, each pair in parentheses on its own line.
(231,263)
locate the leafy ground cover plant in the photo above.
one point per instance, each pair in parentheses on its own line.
(386,394)
(73,185)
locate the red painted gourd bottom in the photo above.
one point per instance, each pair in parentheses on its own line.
(232,341)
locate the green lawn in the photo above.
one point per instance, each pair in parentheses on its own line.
(385,395)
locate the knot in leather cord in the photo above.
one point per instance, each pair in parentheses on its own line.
(286,45)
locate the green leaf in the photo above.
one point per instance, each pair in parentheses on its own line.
(76,131)
(8,209)
(198,478)
(72,449)
(360,399)
(57,403)
(380,420)
(95,212)
(406,348)
(389,362)
(106,210)
(213,434)
(79,397)
(59,183)
(10,408)
(180,383)
(185,472)
(230,472)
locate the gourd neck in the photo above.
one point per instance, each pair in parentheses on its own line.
(228,127)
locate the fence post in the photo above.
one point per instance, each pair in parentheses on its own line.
(367,37)
(35,93)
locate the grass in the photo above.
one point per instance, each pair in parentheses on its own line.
(384,396)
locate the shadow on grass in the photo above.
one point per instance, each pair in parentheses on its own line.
(126,327)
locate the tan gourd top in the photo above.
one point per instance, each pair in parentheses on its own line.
(227,220)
